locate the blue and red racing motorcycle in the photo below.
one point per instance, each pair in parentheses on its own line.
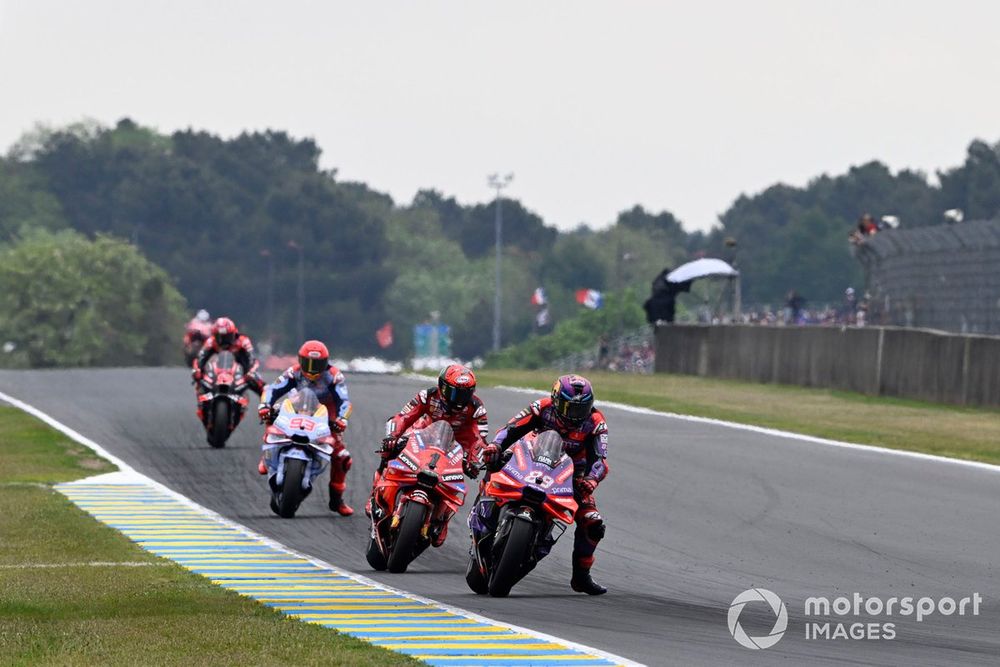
(297,448)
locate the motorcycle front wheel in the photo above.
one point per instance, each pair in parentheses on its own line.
(220,425)
(513,562)
(291,490)
(404,548)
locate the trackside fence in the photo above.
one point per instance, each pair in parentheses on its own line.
(885,361)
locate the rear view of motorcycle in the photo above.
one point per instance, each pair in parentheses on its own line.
(221,402)
(297,448)
(521,511)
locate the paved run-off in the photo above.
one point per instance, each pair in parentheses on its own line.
(255,567)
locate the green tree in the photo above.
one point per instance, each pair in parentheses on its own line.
(67,301)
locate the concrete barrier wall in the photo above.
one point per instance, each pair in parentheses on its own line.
(888,361)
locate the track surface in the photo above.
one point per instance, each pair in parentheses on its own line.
(697,513)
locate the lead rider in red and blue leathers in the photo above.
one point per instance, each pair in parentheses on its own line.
(315,372)
(570,412)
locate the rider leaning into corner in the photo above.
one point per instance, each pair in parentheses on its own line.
(569,411)
(453,400)
(225,337)
(315,372)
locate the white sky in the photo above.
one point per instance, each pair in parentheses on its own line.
(596,106)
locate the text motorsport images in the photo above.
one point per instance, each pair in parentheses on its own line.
(848,608)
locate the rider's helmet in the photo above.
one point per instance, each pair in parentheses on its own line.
(202,315)
(456,384)
(572,399)
(314,359)
(224,332)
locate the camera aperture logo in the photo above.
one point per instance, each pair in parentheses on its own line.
(780,618)
(850,617)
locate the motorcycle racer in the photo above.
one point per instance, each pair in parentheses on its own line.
(569,410)
(226,337)
(453,400)
(196,332)
(315,372)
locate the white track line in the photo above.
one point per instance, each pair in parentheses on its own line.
(132,476)
(778,433)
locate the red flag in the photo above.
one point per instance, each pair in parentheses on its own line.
(384,335)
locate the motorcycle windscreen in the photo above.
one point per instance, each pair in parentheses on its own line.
(219,362)
(439,434)
(303,402)
(302,414)
(547,448)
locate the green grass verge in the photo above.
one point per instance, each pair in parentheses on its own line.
(965,433)
(160,614)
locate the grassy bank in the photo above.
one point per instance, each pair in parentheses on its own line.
(966,433)
(67,596)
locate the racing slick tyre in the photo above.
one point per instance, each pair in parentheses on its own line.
(512,564)
(291,491)
(475,578)
(404,548)
(219,430)
(374,555)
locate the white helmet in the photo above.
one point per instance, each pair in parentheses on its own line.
(203,315)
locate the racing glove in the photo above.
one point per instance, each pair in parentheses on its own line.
(266,413)
(470,467)
(584,487)
(390,447)
(338,425)
(490,454)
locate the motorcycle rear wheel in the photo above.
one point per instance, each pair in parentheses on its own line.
(291,490)
(475,578)
(374,555)
(512,564)
(404,548)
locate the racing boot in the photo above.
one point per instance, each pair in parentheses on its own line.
(368,507)
(337,503)
(439,538)
(261,466)
(582,582)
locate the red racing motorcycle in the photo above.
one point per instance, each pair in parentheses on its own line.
(415,496)
(221,402)
(521,510)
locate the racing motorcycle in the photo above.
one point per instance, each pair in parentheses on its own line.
(297,448)
(221,404)
(415,496)
(195,337)
(521,510)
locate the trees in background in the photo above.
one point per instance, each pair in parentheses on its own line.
(70,301)
(217,213)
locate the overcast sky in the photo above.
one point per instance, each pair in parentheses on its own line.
(595,106)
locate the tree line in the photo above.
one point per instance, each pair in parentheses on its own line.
(227,221)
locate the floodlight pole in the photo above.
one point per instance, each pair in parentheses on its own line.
(498,183)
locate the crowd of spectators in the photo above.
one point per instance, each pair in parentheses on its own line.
(852,311)
(628,355)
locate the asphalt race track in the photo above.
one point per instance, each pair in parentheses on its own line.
(697,513)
